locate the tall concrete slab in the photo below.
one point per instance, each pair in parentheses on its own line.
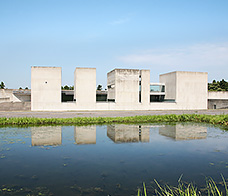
(169,79)
(145,86)
(45,87)
(85,85)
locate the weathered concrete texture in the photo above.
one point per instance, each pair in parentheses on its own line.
(45,87)
(124,85)
(15,106)
(218,95)
(217,103)
(105,113)
(189,89)
(14,95)
(85,86)
(145,86)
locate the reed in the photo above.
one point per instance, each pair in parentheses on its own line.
(212,119)
(183,189)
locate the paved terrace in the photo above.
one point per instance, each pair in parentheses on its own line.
(104,113)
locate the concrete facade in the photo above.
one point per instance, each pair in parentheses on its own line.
(122,84)
(188,89)
(45,87)
(217,100)
(14,95)
(128,89)
(85,85)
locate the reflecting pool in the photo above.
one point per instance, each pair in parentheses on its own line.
(109,159)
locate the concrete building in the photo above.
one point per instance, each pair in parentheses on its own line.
(217,99)
(128,89)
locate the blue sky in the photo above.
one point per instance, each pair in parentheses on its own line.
(160,35)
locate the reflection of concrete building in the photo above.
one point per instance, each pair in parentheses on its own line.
(128,89)
(128,133)
(46,136)
(85,134)
(184,132)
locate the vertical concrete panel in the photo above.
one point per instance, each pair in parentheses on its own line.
(45,86)
(169,80)
(192,89)
(127,86)
(111,85)
(145,86)
(85,85)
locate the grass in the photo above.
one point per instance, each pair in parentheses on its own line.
(183,189)
(30,121)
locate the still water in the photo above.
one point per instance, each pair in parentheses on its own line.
(108,159)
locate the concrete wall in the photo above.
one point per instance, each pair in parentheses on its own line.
(218,95)
(111,85)
(14,95)
(15,106)
(126,86)
(45,87)
(145,86)
(85,85)
(217,103)
(189,89)
(169,79)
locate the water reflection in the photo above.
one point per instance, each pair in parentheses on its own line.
(184,132)
(118,133)
(85,134)
(43,136)
(128,133)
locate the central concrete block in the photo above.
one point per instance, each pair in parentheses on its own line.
(123,85)
(85,85)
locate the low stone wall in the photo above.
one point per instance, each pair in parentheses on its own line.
(15,106)
(217,103)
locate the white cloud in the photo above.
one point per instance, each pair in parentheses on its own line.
(196,56)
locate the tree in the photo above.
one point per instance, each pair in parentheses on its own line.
(218,85)
(2,85)
(99,87)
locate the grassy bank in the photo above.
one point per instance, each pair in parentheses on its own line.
(30,121)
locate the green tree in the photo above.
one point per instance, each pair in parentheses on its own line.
(218,85)
(2,85)
(99,87)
